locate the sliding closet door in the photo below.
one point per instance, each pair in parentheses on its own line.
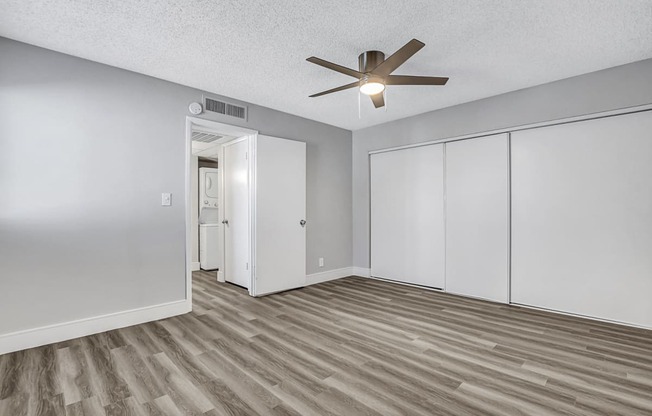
(407,220)
(477,217)
(582,218)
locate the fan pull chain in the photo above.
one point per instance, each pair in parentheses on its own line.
(359,106)
(385,98)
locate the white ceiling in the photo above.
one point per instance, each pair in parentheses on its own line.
(255,50)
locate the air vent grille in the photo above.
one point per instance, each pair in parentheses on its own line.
(225,108)
(215,106)
(200,137)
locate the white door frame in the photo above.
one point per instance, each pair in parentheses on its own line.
(217,128)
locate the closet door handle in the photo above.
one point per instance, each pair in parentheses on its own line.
(302,223)
(225,222)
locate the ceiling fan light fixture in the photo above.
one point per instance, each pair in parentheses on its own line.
(372,86)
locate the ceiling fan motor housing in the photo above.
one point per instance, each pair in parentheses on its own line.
(369,60)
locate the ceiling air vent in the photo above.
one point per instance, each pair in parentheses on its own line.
(198,136)
(225,108)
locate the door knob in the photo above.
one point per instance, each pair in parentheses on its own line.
(225,222)
(302,223)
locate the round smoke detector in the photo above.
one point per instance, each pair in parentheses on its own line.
(195,108)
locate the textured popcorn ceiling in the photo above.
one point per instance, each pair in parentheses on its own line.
(256,50)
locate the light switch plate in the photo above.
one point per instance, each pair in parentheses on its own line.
(166,199)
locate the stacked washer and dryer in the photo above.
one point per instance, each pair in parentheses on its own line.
(210,249)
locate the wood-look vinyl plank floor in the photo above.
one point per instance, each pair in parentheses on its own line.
(348,347)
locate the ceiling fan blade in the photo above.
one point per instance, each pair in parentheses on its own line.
(414,80)
(342,88)
(378,99)
(398,58)
(335,67)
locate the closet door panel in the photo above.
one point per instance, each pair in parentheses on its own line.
(407,222)
(477,217)
(582,218)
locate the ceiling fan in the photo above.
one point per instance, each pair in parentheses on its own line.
(374,72)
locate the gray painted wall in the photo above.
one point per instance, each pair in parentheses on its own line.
(610,89)
(85,152)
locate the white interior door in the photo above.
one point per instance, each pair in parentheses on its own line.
(582,218)
(280,230)
(236,213)
(407,215)
(477,217)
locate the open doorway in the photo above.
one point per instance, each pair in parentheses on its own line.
(205,198)
(206,203)
(246,208)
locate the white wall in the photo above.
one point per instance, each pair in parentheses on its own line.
(614,88)
(85,152)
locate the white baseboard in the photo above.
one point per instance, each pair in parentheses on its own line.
(36,337)
(361,271)
(320,277)
(592,318)
(195,266)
